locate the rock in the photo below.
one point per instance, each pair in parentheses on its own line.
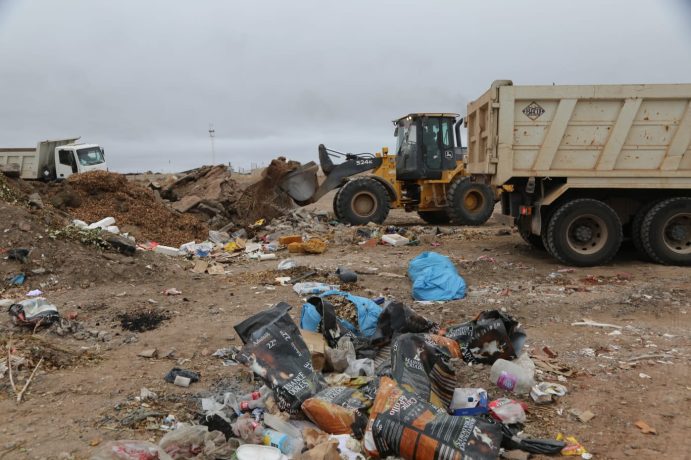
(149,353)
(186,203)
(121,244)
(24,226)
(39,271)
(103,336)
(35,201)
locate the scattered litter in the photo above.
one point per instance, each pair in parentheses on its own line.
(346,275)
(34,312)
(313,288)
(16,280)
(34,293)
(588,322)
(545,392)
(172,291)
(395,240)
(645,428)
(469,401)
(508,411)
(573,447)
(644,376)
(189,376)
(149,353)
(583,415)
(314,246)
(287,264)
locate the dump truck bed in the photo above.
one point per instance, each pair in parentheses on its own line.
(598,135)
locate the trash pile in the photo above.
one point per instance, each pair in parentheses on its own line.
(360,378)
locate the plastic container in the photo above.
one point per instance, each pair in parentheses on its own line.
(512,376)
(288,445)
(507,410)
(469,401)
(255,452)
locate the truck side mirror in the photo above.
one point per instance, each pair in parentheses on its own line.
(103,152)
(395,132)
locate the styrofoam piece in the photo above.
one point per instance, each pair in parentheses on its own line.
(113,229)
(257,452)
(167,250)
(79,223)
(103,223)
(395,239)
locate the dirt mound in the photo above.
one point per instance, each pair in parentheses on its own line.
(136,209)
(264,199)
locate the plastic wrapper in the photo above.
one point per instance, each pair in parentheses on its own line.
(129,450)
(275,351)
(338,410)
(196,442)
(434,277)
(490,336)
(420,364)
(31,312)
(402,425)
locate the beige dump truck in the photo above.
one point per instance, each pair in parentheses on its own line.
(583,167)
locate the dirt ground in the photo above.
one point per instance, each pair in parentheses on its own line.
(638,372)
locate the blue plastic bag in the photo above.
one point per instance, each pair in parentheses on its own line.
(367,314)
(435,277)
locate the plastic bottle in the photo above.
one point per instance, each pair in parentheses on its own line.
(251,404)
(258,394)
(288,445)
(512,376)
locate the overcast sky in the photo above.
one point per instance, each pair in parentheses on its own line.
(145,78)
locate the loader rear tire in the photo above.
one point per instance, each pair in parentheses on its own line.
(361,201)
(434,217)
(469,203)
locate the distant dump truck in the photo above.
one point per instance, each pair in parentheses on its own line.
(582,167)
(54,159)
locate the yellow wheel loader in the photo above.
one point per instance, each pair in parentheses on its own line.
(426,174)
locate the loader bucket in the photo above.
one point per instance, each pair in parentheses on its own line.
(301,184)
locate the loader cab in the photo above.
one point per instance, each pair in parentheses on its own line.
(425,146)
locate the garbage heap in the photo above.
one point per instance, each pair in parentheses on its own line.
(357,377)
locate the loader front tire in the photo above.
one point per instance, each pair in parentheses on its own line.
(361,201)
(469,203)
(335,205)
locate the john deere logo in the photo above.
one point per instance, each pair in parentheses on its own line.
(533,111)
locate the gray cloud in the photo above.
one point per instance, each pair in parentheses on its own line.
(144,79)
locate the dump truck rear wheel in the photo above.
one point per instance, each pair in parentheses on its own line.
(584,232)
(363,200)
(470,203)
(666,232)
(434,217)
(636,225)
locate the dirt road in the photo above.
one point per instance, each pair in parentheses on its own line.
(84,395)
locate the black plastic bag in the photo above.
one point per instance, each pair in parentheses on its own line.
(397,318)
(275,351)
(420,365)
(491,336)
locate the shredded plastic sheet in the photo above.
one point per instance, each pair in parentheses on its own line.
(275,350)
(435,277)
(401,424)
(34,311)
(397,318)
(491,336)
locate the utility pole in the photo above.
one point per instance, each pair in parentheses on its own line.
(212,135)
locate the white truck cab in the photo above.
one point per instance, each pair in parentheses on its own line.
(54,159)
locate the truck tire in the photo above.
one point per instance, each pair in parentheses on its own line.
(434,217)
(363,200)
(469,203)
(584,233)
(335,205)
(636,225)
(666,232)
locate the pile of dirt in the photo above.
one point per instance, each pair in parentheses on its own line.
(264,199)
(98,194)
(210,193)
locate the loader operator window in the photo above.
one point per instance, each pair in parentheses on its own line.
(407,139)
(432,142)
